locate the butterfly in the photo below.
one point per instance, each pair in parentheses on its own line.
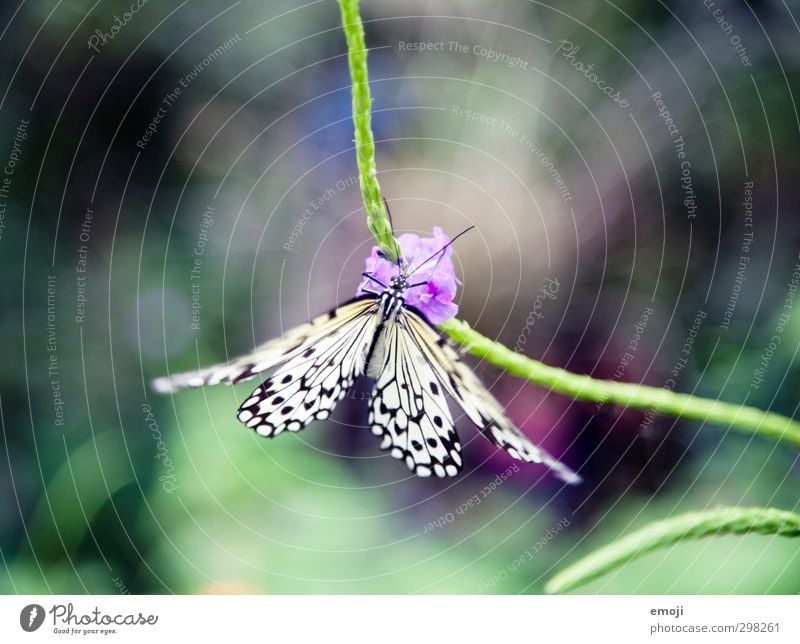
(378,334)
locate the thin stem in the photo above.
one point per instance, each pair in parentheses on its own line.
(693,525)
(659,400)
(377,217)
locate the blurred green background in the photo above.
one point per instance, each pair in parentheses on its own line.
(148,231)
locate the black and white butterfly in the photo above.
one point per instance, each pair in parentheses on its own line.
(415,368)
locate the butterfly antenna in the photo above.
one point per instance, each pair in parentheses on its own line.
(391,226)
(440,252)
(389,213)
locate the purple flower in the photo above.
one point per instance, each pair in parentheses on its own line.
(435,297)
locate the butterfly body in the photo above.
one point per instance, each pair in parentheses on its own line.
(390,302)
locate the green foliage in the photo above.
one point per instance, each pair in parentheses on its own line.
(693,525)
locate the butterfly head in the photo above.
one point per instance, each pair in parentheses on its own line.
(399,284)
(423,276)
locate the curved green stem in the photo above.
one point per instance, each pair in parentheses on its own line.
(655,399)
(659,400)
(377,217)
(693,525)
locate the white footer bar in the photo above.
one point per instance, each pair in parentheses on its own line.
(400,619)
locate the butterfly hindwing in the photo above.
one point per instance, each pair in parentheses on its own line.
(478,404)
(270,354)
(409,410)
(308,386)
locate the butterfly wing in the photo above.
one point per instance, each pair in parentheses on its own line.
(315,378)
(270,354)
(478,404)
(409,410)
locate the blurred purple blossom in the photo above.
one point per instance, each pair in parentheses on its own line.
(435,298)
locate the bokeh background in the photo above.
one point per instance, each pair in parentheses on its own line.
(128,254)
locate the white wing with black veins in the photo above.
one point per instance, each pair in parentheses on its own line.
(409,410)
(478,404)
(308,386)
(270,354)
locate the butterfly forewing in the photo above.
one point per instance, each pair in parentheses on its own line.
(478,404)
(309,385)
(270,354)
(409,410)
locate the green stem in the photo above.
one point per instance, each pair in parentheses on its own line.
(659,400)
(377,217)
(693,525)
